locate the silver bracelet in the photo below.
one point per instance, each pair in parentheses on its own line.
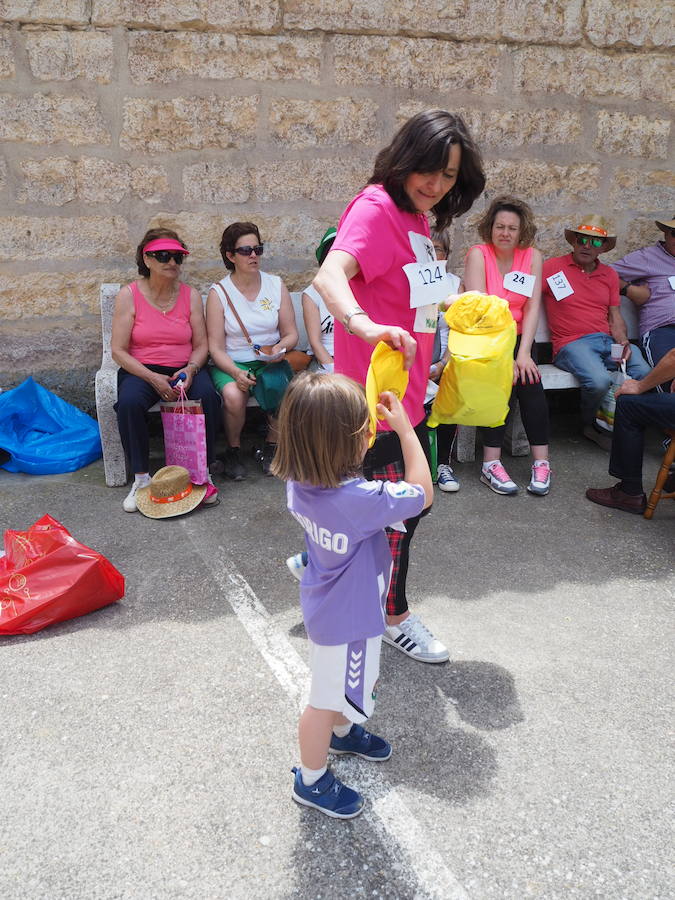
(354,311)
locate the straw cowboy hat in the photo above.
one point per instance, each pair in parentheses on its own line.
(593,226)
(665,224)
(170,493)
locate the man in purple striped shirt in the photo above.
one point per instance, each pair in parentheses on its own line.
(653,266)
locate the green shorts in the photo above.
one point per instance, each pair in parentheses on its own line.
(220,378)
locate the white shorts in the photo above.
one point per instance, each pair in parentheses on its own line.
(344,677)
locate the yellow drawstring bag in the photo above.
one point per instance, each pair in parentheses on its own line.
(476,383)
(385,373)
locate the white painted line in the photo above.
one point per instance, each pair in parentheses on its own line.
(393,819)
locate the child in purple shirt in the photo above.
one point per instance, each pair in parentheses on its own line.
(323,437)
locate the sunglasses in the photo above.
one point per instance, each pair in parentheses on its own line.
(164,256)
(246,250)
(669,232)
(594,242)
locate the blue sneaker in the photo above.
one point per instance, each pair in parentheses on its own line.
(361,743)
(446,479)
(329,795)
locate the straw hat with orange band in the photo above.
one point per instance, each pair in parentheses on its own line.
(593,227)
(170,493)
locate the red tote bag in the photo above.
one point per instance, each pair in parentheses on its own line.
(47,576)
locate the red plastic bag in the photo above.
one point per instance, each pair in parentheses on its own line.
(47,576)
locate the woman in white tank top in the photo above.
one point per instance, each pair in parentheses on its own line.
(263,305)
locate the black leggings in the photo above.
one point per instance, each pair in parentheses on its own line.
(533,411)
(384,462)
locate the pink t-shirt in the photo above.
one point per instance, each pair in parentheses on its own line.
(162,339)
(378,235)
(494,280)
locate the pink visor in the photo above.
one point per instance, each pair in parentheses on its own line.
(165,244)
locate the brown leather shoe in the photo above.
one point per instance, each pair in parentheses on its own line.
(615,498)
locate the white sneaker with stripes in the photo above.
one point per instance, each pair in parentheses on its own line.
(412,637)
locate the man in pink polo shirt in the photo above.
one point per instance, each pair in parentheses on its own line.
(584,318)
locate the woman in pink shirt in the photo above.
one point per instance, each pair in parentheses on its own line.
(381,282)
(507,257)
(158,334)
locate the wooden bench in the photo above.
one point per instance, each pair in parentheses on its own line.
(552,378)
(114,460)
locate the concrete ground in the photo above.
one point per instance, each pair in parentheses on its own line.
(146,748)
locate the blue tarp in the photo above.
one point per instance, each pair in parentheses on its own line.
(44,434)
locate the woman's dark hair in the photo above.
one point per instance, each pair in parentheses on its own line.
(507,203)
(230,237)
(151,235)
(423,145)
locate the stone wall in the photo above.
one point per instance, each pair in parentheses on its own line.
(119,114)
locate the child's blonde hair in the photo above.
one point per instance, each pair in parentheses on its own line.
(323,422)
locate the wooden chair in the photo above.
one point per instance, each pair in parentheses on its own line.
(657,494)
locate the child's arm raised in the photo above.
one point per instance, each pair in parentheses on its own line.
(416,466)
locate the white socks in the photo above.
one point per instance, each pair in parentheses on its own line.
(342,730)
(311,776)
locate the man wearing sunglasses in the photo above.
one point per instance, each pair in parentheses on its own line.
(583,308)
(647,277)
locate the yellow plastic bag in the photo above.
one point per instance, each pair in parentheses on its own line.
(385,373)
(476,383)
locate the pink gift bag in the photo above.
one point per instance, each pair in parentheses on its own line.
(185,437)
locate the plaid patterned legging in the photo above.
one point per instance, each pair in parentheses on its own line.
(384,462)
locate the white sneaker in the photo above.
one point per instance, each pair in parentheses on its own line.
(414,639)
(497,478)
(297,565)
(129,502)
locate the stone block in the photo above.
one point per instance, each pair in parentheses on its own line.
(46,12)
(6,54)
(212,182)
(61,354)
(102,181)
(3,174)
(65,55)
(250,16)
(51,181)
(150,183)
(421,64)
(632,135)
(510,127)
(635,23)
(315,123)
(543,21)
(55,294)
(188,123)
(643,190)
(310,179)
(50,237)
(48,119)
(455,19)
(540,182)
(591,73)
(638,231)
(165,57)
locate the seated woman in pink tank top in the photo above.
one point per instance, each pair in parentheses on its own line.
(159,333)
(508,266)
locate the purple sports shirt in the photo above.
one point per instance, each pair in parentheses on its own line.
(345,584)
(652,266)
